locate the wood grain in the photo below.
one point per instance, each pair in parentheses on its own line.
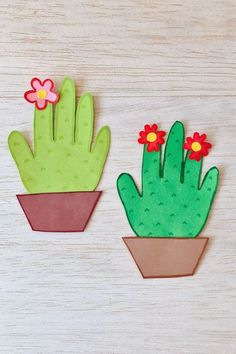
(144,61)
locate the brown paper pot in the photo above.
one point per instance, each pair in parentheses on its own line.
(165,258)
(59,212)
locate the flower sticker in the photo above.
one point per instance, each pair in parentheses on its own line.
(198,146)
(42,93)
(152,137)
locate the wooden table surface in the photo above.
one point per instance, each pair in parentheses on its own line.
(144,61)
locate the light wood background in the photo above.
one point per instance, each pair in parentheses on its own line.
(144,61)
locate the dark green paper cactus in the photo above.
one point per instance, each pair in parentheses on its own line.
(173,202)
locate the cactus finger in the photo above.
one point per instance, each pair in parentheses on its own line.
(20,150)
(173,158)
(84,121)
(192,172)
(43,129)
(210,183)
(127,190)
(65,113)
(151,169)
(102,143)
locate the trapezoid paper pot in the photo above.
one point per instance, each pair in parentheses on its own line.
(166,257)
(59,212)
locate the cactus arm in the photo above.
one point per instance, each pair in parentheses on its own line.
(130,198)
(102,143)
(206,196)
(128,191)
(84,121)
(210,183)
(22,155)
(65,114)
(173,157)
(99,154)
(151,170)
(192,172)
(43,129)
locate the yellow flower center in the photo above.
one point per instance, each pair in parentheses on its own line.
(42,94)
(196,146)
(151,137)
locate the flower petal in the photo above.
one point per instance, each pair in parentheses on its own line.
(195,155)
(206,145)
(142,140)
(147,128)
(160,141)
(192,155)
(41,104)
(204,152)
(52,97)
(48,85)
(202,138)
(160,137)
(189,140)
(153,128)
(36,83)
(30,96)
(205,149)
(161,133)
(198,155)
(153,146)
(195,136)
(142,134)
(187,146)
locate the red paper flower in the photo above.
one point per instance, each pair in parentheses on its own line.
(42,93)
(152,137)
(198,146)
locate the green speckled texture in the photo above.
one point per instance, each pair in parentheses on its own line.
(172,202)
(64,158)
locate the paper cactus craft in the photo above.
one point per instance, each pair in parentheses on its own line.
(64,158)
(66,164)
(173,200)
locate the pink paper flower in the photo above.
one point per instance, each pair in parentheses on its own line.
(42,93)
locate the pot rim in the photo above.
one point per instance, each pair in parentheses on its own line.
(72,192)
(165,238)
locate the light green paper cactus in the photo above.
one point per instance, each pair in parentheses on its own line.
(172,202)
(64,157)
